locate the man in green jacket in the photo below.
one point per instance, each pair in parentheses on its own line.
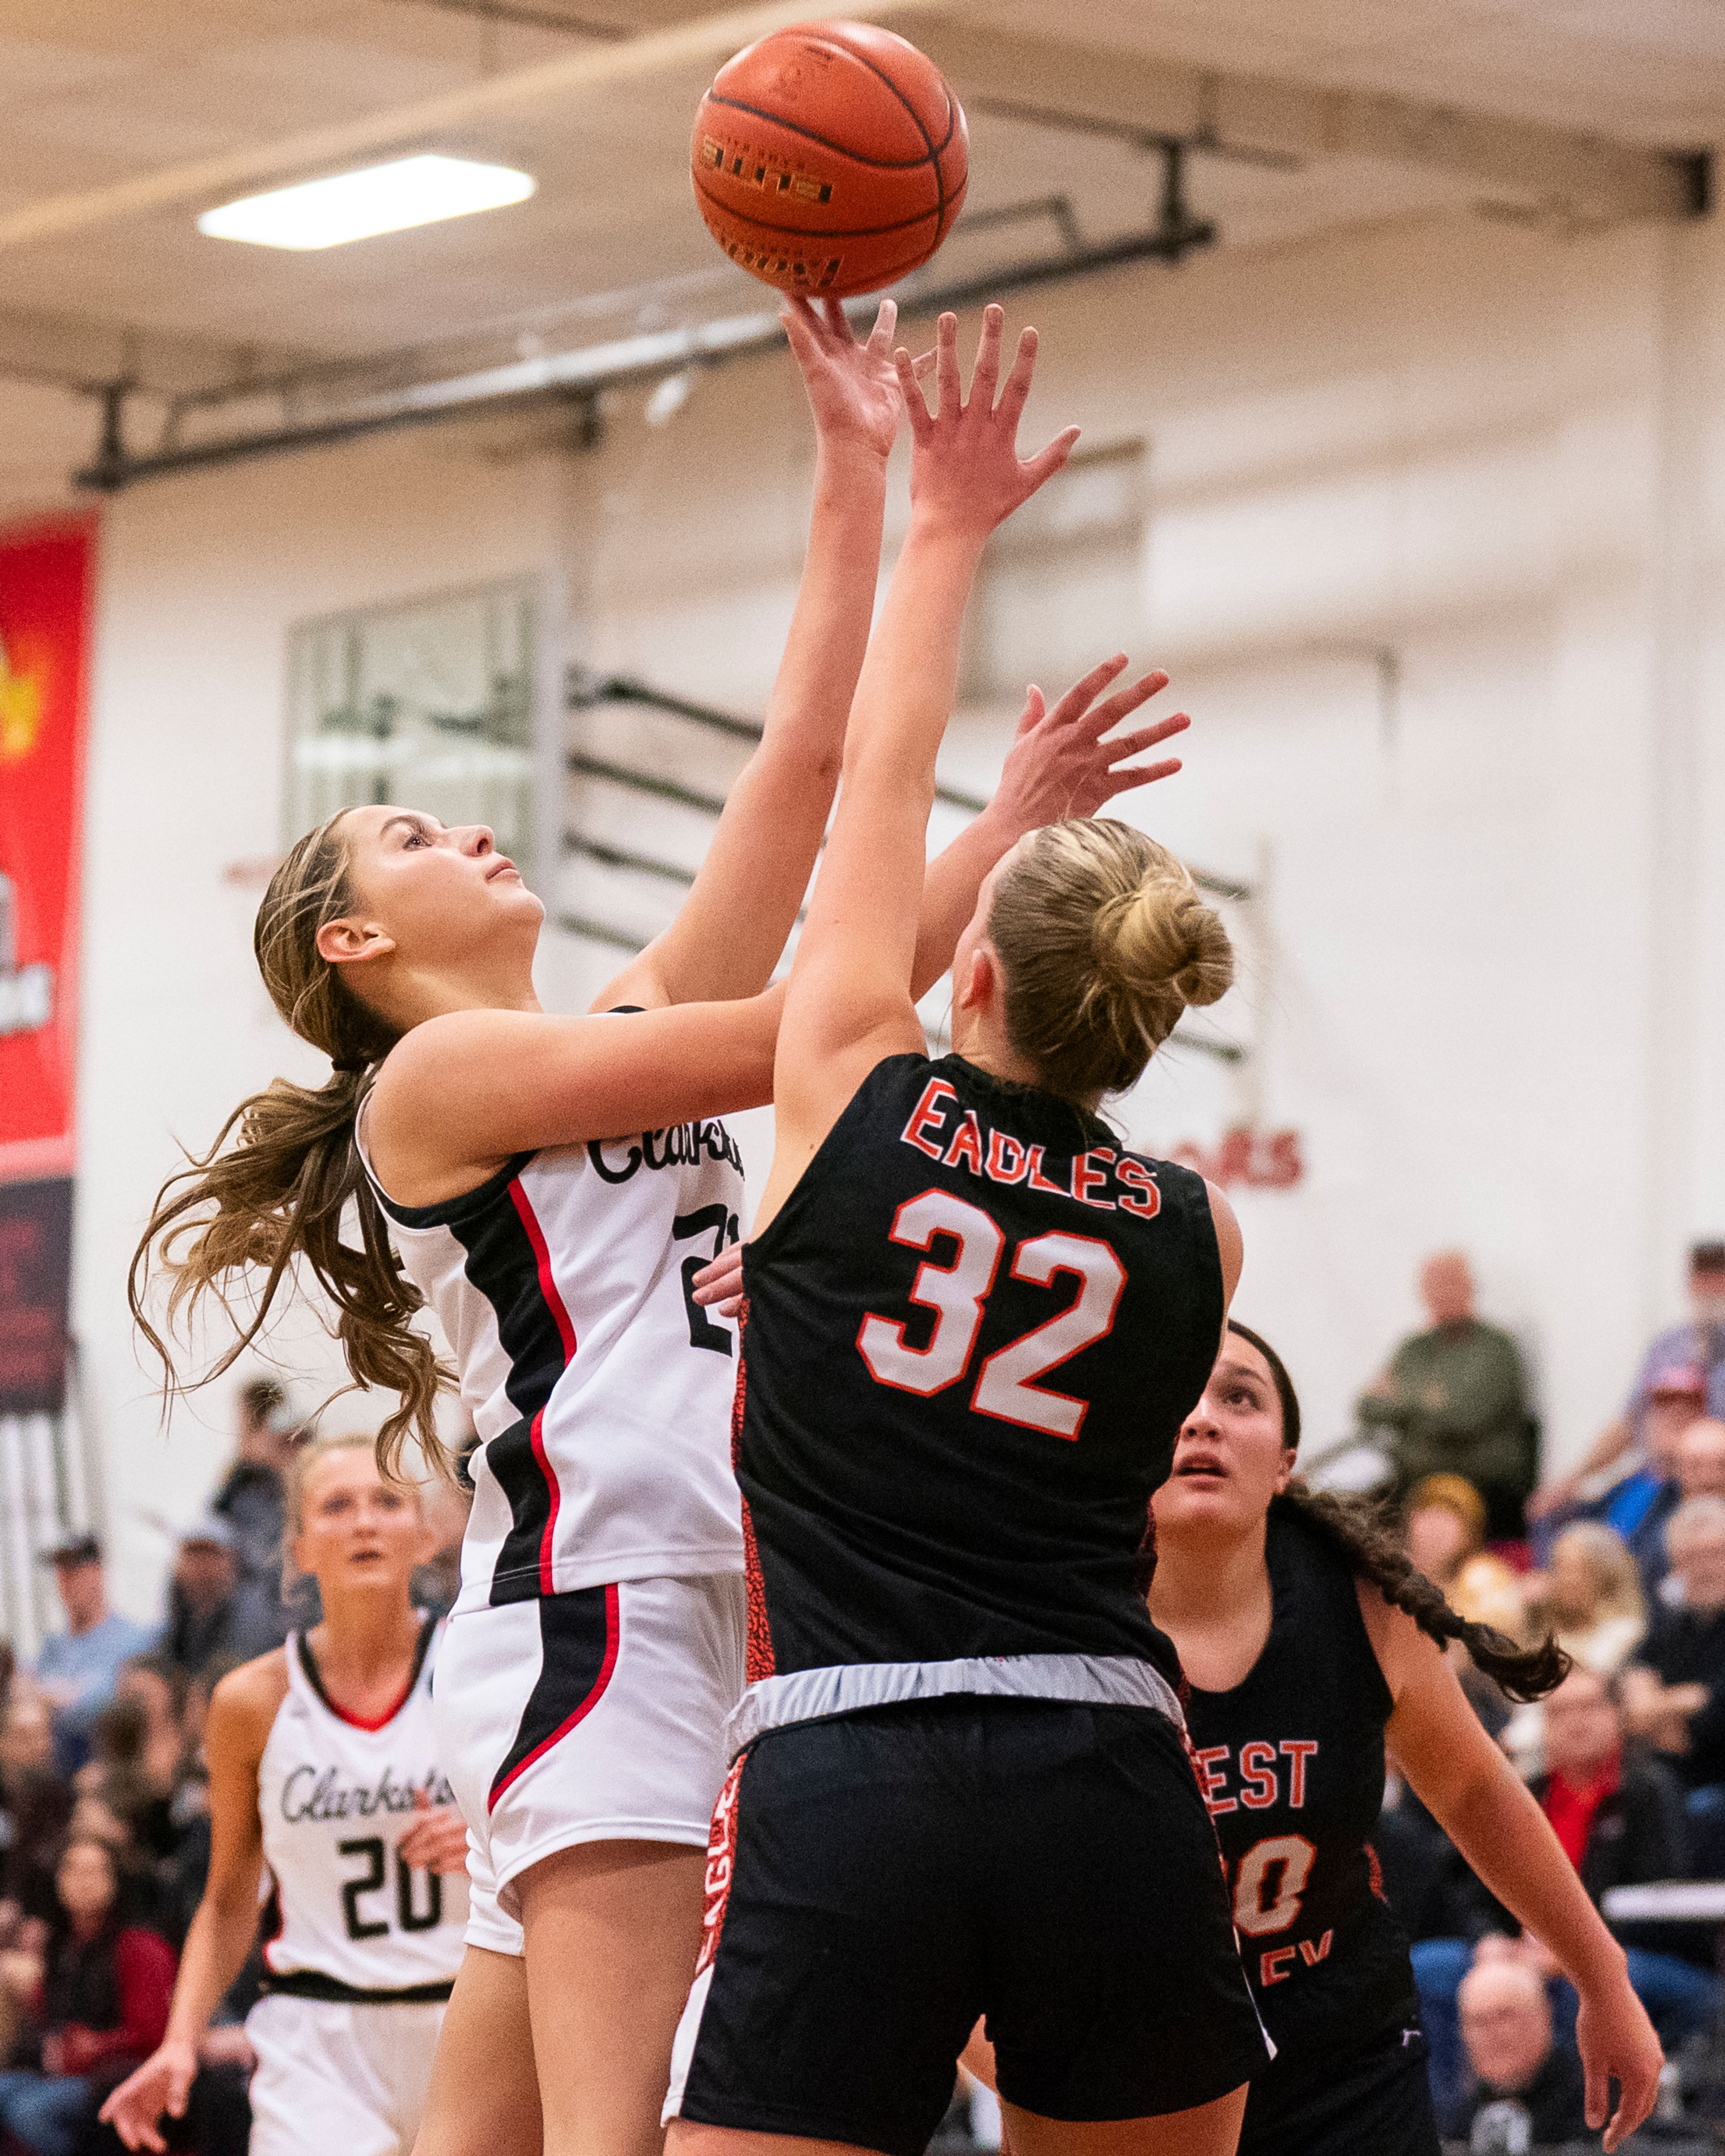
(1454,1400)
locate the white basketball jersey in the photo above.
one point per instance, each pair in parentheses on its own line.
(600,1389)
(335,1795)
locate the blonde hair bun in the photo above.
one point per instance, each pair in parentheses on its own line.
(1162,936)
(1104,942)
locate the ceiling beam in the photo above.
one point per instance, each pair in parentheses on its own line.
(1582,177)
(74,352)
(713,37)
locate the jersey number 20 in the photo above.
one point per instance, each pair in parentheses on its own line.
(362,1926)
(1006,1386)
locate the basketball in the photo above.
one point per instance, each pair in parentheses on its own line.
(830,159)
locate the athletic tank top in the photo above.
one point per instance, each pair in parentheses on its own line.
(1291,1765)
(972,1334)
(599,1388)
(335,1795)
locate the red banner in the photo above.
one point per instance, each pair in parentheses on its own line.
(45,573)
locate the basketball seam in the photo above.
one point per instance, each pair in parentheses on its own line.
(934,155)
(815,241)
(808,135)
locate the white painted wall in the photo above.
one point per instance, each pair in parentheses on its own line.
(1494,919)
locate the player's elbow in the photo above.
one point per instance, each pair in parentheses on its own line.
(807,769)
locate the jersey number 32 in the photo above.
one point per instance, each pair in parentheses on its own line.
(1005,1385)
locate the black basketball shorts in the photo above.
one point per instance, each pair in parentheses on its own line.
(877,1882)
(1372,2101)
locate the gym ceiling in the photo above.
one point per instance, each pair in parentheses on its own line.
(1100,131)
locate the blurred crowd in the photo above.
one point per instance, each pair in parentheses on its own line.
(1624,1560)
(103,1802)
(104,1831)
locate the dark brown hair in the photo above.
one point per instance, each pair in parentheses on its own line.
(279,1196)
(1367,1538)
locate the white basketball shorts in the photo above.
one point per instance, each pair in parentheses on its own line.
(334,2075)
(594,1715)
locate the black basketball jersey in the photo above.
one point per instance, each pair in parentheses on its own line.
(972,1335)
(1291,1765)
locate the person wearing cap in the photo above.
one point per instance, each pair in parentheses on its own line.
(212,1610)
(77,1669)
(1684,1362)
(1639,1506)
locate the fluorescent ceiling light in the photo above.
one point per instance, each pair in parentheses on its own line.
(390,197)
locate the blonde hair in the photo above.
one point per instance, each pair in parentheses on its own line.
(309,1457)
(1104,941)
(1487,1592)
(1614,1569)
(1455,1495)
(280,1193)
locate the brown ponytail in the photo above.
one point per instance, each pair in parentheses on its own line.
(1364,1536)
(279,1194)
(1104,941)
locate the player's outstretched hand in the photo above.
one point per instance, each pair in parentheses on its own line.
(721,1282)
(966,471)
(163,2083)
(1060,765)
(1617,2044)
(853,386)
(437,1840)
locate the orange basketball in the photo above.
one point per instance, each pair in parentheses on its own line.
(829,159)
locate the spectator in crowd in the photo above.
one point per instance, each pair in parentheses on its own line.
(1444,1533)
(1639,1506)
(22,1940)
(35,1803)
(161,1689)
(212,1610)
(98,2005)
(1454,1399)
(1671,1696)
(1700,1458)
(77,1669)
(1698,1345)
(1589,1597)
(1525,2090)
(1619,1816)
(1701,1339)
(1446,1526)
(1674,1697)
(1698,1470)
(119,1774)
(252,1498)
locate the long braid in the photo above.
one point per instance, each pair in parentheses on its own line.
(1364,1536)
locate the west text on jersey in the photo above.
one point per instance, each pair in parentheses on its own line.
(319,1793)
(1107,1180)
(1266,1773)
(683,1145)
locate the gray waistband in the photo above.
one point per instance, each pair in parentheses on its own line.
(810,1695)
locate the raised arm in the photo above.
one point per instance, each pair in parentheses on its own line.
(504,1082)
(1475,1796)
(730,930)
(849,999)
(241,1711)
